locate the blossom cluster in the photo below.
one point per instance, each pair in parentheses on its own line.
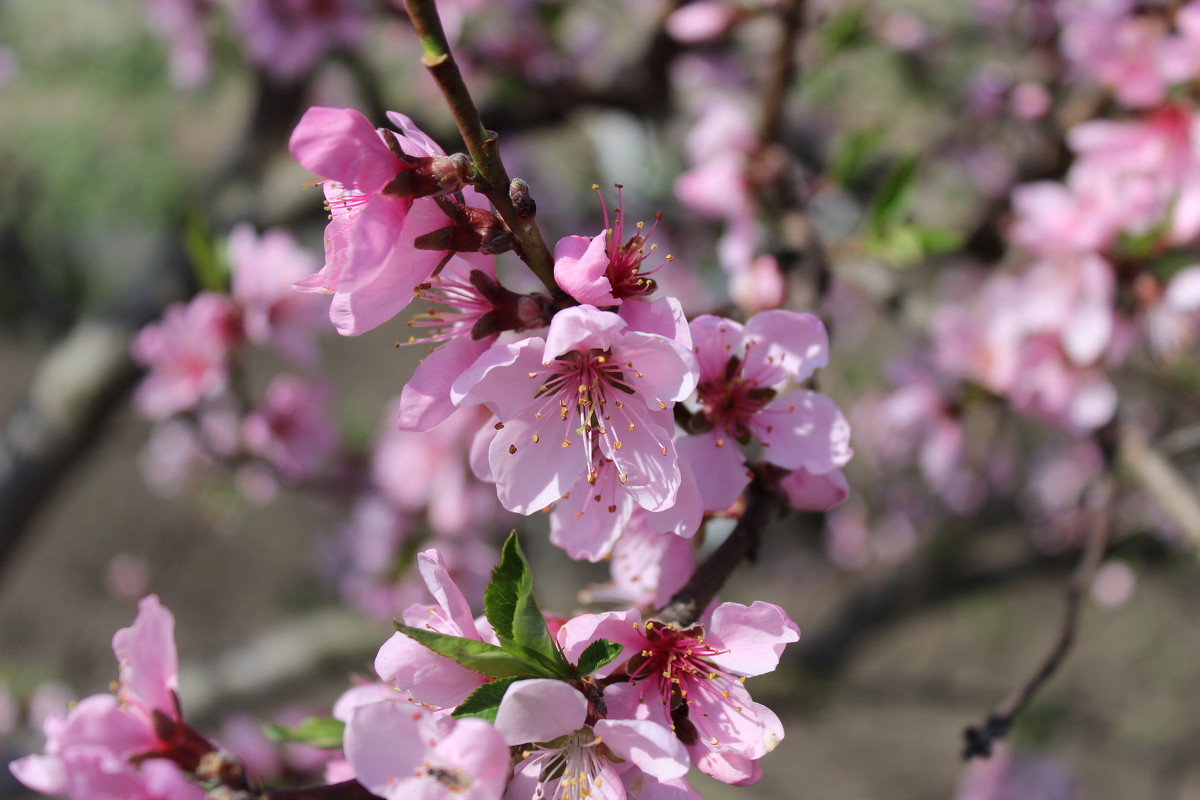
(513,704)
(603,403)
(1102,269)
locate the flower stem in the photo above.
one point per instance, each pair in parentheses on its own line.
(481,143)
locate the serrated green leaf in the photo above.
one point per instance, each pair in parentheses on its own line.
(891,201)
(514,614)
(484,702)
(323,732)
(596,655)
(482,657)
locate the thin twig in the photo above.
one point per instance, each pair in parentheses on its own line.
(686,606)
(481,143)
(980,739)
(785,69)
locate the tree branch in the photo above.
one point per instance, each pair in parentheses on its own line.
(979,739)
(481,143)
(689,602)
(349,790)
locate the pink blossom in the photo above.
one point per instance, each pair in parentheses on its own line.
(606,269)
(703,21)
(568,758)
(723,728)
(759,287)
(264,269)
(459,325)
(646,568)
(744,371)
(429,470)
(1009,776)
(1134,54)
(372,262)
(1139,174)
(590,387)
(286,38)
(1171,314)
(593,515)
(412,667)
(186,355)
(182,24)
(115,746)
(293,429)
(400,751)
(806,491)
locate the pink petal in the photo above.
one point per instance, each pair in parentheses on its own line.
(446,592)
(428,677)
(588,523)
(620,627)
(498,378)
(808,492)
(1183,292)
(385,741)
(788,342)
(417,144)
(804,429)
(662,368)
(531,474)
(650,746)
(478,750)
(754,636)
(582,328)
(646,458)
(540,710)
(425,401)
(149,667)
(663,316)
(579,268)
(714,341)
(340,143)
(45,774)
(720,471)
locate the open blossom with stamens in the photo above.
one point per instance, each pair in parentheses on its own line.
(132,745)
(400,751)
(373,263)
(606,269)
(598,511)
(570,752)
(691,680)
(592,386)
(742,372)
(467,310)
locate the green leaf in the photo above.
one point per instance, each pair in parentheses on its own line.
(484,702)
(482,657)
(847,29)
(323,732)
(855,152)
(209,261)
(892,200)
(935,241)
(596,655)
(514,614)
